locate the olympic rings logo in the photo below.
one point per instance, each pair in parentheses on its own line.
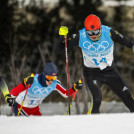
(95,47)
(37,90)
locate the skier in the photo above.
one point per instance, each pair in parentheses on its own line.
(97,44)
(39,86)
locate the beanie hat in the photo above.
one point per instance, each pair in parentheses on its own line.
(92,22)
(50,69)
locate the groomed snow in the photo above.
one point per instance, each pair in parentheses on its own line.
(74,124)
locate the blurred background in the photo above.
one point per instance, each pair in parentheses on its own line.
(29,30)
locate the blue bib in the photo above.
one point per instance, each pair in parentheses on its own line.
(38,91)
(97,53)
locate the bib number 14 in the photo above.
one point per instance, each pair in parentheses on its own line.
(98,62)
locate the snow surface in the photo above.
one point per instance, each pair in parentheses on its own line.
(65,124)
(116,120)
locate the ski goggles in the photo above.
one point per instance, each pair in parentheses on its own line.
(51,78)
(95,32)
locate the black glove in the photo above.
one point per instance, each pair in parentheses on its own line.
(77,85)
(9,100)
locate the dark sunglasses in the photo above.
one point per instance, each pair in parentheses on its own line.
(95,32)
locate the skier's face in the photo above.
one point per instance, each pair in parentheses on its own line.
(50,79)
(49,82)
(94,35)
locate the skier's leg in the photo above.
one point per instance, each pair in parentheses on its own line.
(15,110)
(94,87)
(121,89)
(36,111)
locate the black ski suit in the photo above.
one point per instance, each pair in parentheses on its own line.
(95,77)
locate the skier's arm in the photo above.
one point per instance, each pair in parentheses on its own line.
(10,98)
(119,38)
(72,41)
(22,86)
(64,92)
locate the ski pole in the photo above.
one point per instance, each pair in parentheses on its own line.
(22,102)
(67,72)
(72,100)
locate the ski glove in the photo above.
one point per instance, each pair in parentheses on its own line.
(63,30)
(77,85)
(9,100)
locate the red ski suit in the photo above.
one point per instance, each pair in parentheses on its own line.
(27,109)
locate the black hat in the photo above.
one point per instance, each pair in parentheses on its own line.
(50,69)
